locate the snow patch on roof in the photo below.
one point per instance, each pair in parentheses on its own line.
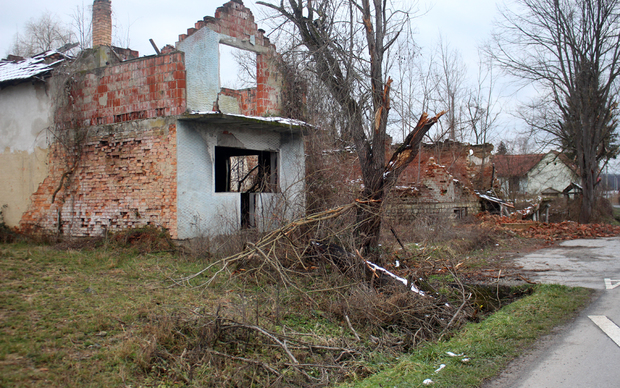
(29,67)
(280,120)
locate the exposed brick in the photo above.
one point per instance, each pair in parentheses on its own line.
(101,96)
(112,185)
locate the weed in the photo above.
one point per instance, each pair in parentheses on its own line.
(489,345)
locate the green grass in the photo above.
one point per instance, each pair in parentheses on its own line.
(489,345)
(69,318)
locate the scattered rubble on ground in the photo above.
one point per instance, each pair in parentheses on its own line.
(566,230)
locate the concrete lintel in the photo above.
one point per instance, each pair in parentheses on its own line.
(243,44)
(253,123)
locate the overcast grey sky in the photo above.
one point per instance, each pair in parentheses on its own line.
(462,23)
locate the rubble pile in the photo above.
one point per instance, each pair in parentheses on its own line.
(566,230)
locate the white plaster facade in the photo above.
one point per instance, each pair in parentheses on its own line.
(202,210)
(550,172)
(25,114)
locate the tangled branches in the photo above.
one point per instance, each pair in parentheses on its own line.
(318,305)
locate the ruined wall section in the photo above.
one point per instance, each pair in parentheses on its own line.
(437,194)
(138,89)
(126,177)
(202,211)
(25,115)
(232,25)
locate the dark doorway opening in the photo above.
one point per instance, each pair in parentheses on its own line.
(248,172)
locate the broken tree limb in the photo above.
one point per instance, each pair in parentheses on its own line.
(409,149)
(357,337)
(264,332)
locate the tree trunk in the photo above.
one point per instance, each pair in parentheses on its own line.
(588,180)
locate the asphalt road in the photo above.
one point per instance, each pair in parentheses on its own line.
(582,353)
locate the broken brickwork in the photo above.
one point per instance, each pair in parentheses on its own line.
(440,180)
(135,138)
(437,193)
(124,178)
(233,25)
(246,99)
(463,161)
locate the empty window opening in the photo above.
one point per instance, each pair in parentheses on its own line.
(237,68)
(240,170)
(460,212)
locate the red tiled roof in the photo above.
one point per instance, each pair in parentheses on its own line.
(507,166)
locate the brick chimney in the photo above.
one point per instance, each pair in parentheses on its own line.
(102,23)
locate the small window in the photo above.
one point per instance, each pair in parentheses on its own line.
(460,212)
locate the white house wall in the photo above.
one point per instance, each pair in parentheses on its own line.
(550,172)
(25,113)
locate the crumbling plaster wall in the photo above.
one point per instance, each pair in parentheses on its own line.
(202,63)
(25,113)
(126,177)
(126,171)
(202,211)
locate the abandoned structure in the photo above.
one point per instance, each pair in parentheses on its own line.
(110,140)
(535,174)
(436,193)
(443,180)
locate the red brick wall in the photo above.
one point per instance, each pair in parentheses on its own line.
(267,85)
(123,180)
(246,99)
(138,89)
(232,19)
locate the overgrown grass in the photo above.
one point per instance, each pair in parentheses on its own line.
(74,318)
(114,312)
(488,345)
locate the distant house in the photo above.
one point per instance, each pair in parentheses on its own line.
(110,140)
(534,174)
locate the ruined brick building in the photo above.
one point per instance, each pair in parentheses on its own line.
(110,140)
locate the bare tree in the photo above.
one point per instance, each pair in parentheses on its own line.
(482,109)
(450,76)
(82,26)
(348,43)
(571,49)
(42,34)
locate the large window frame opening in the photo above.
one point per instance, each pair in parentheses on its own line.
(239,170)
(249,173)
(238,68)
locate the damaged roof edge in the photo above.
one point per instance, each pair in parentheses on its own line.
(250,122)
(36,67)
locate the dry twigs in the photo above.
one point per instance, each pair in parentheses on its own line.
(320,304)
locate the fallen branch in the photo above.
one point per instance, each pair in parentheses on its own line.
(526,280)
(282,344)
(248,360)
(357,337)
